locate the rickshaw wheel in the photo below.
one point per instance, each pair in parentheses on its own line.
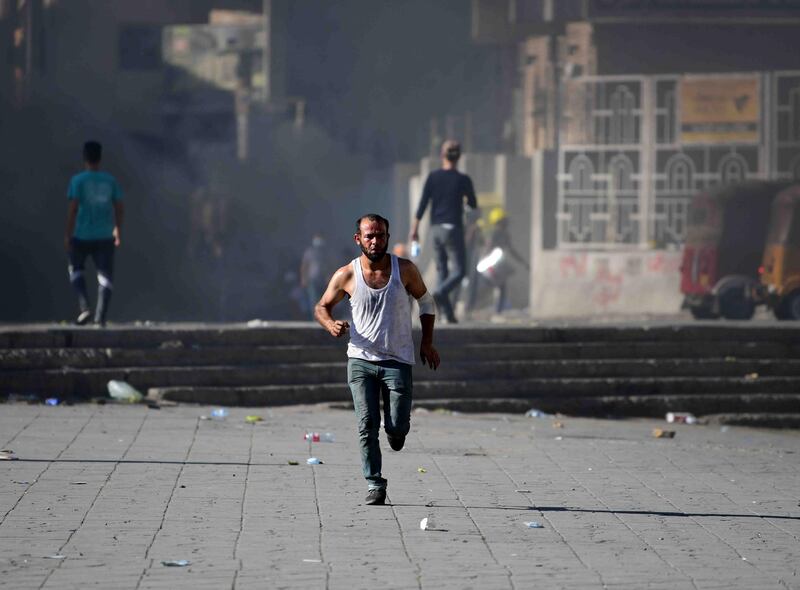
(733,304)
(789,307)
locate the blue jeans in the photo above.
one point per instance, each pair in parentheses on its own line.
(369,381)
(450,255)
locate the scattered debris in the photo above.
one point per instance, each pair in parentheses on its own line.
(292,462)
(681,418)
(219,413)
(171,344)
(78,483)
(257,323)
(57,556)
(51,401)
(428,523)
(312,561)
(176,562)
(534,525)
(317,437)
(523,491)
(751,377)
(559,438)
(124,392)
(422,470)
(558,424)
(534,413)
(253,419)
(661,433)
(313,461)
(7,455)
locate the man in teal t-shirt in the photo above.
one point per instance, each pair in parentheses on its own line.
(94,223)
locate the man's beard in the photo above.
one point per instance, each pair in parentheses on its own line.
(374,256)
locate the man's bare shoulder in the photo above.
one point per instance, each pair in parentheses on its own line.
(405,264)
(344,273)
(407,267)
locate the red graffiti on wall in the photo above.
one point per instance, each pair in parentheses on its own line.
(573,265)
(663,264)
(607,287)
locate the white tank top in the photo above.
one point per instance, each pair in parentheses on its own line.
(381,329)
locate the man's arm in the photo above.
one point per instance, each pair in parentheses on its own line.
(469,192)
(72,215)
(415,286)
(333,295)
(119,216)
(423,204)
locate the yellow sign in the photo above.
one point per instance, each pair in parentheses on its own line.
(720,110)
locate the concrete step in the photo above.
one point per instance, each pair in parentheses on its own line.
(93,381)
(308,333)
(179,355)
(552,390)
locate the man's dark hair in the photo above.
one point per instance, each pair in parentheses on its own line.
(451,150)
(92,152)
(372,217)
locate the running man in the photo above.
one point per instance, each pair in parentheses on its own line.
(381,351)
(94,222)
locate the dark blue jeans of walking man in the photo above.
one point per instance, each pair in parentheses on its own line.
(369,381)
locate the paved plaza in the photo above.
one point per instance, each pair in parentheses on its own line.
(101,496)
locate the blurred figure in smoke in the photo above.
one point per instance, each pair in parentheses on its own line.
(94,223)
(400,250)
(475,242)
(315,268)
(446,190)
(495,266)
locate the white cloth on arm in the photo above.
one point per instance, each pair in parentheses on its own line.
(381,328)
(427,306)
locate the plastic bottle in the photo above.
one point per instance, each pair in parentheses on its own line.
(123,391)
(681,417)
(415,249)
(317,437)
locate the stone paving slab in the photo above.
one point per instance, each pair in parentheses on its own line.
(116,490)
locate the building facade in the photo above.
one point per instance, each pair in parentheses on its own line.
(628,109)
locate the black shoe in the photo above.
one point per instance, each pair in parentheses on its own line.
(83,317)
(376,498)
(396,442)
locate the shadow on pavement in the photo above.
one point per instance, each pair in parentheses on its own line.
(602,511)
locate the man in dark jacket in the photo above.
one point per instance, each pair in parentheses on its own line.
(446,190)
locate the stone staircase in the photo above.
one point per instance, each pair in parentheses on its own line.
(704,368)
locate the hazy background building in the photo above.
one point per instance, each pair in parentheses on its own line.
(238,128)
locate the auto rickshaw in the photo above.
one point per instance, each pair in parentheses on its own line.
(780,269)
(727,230)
